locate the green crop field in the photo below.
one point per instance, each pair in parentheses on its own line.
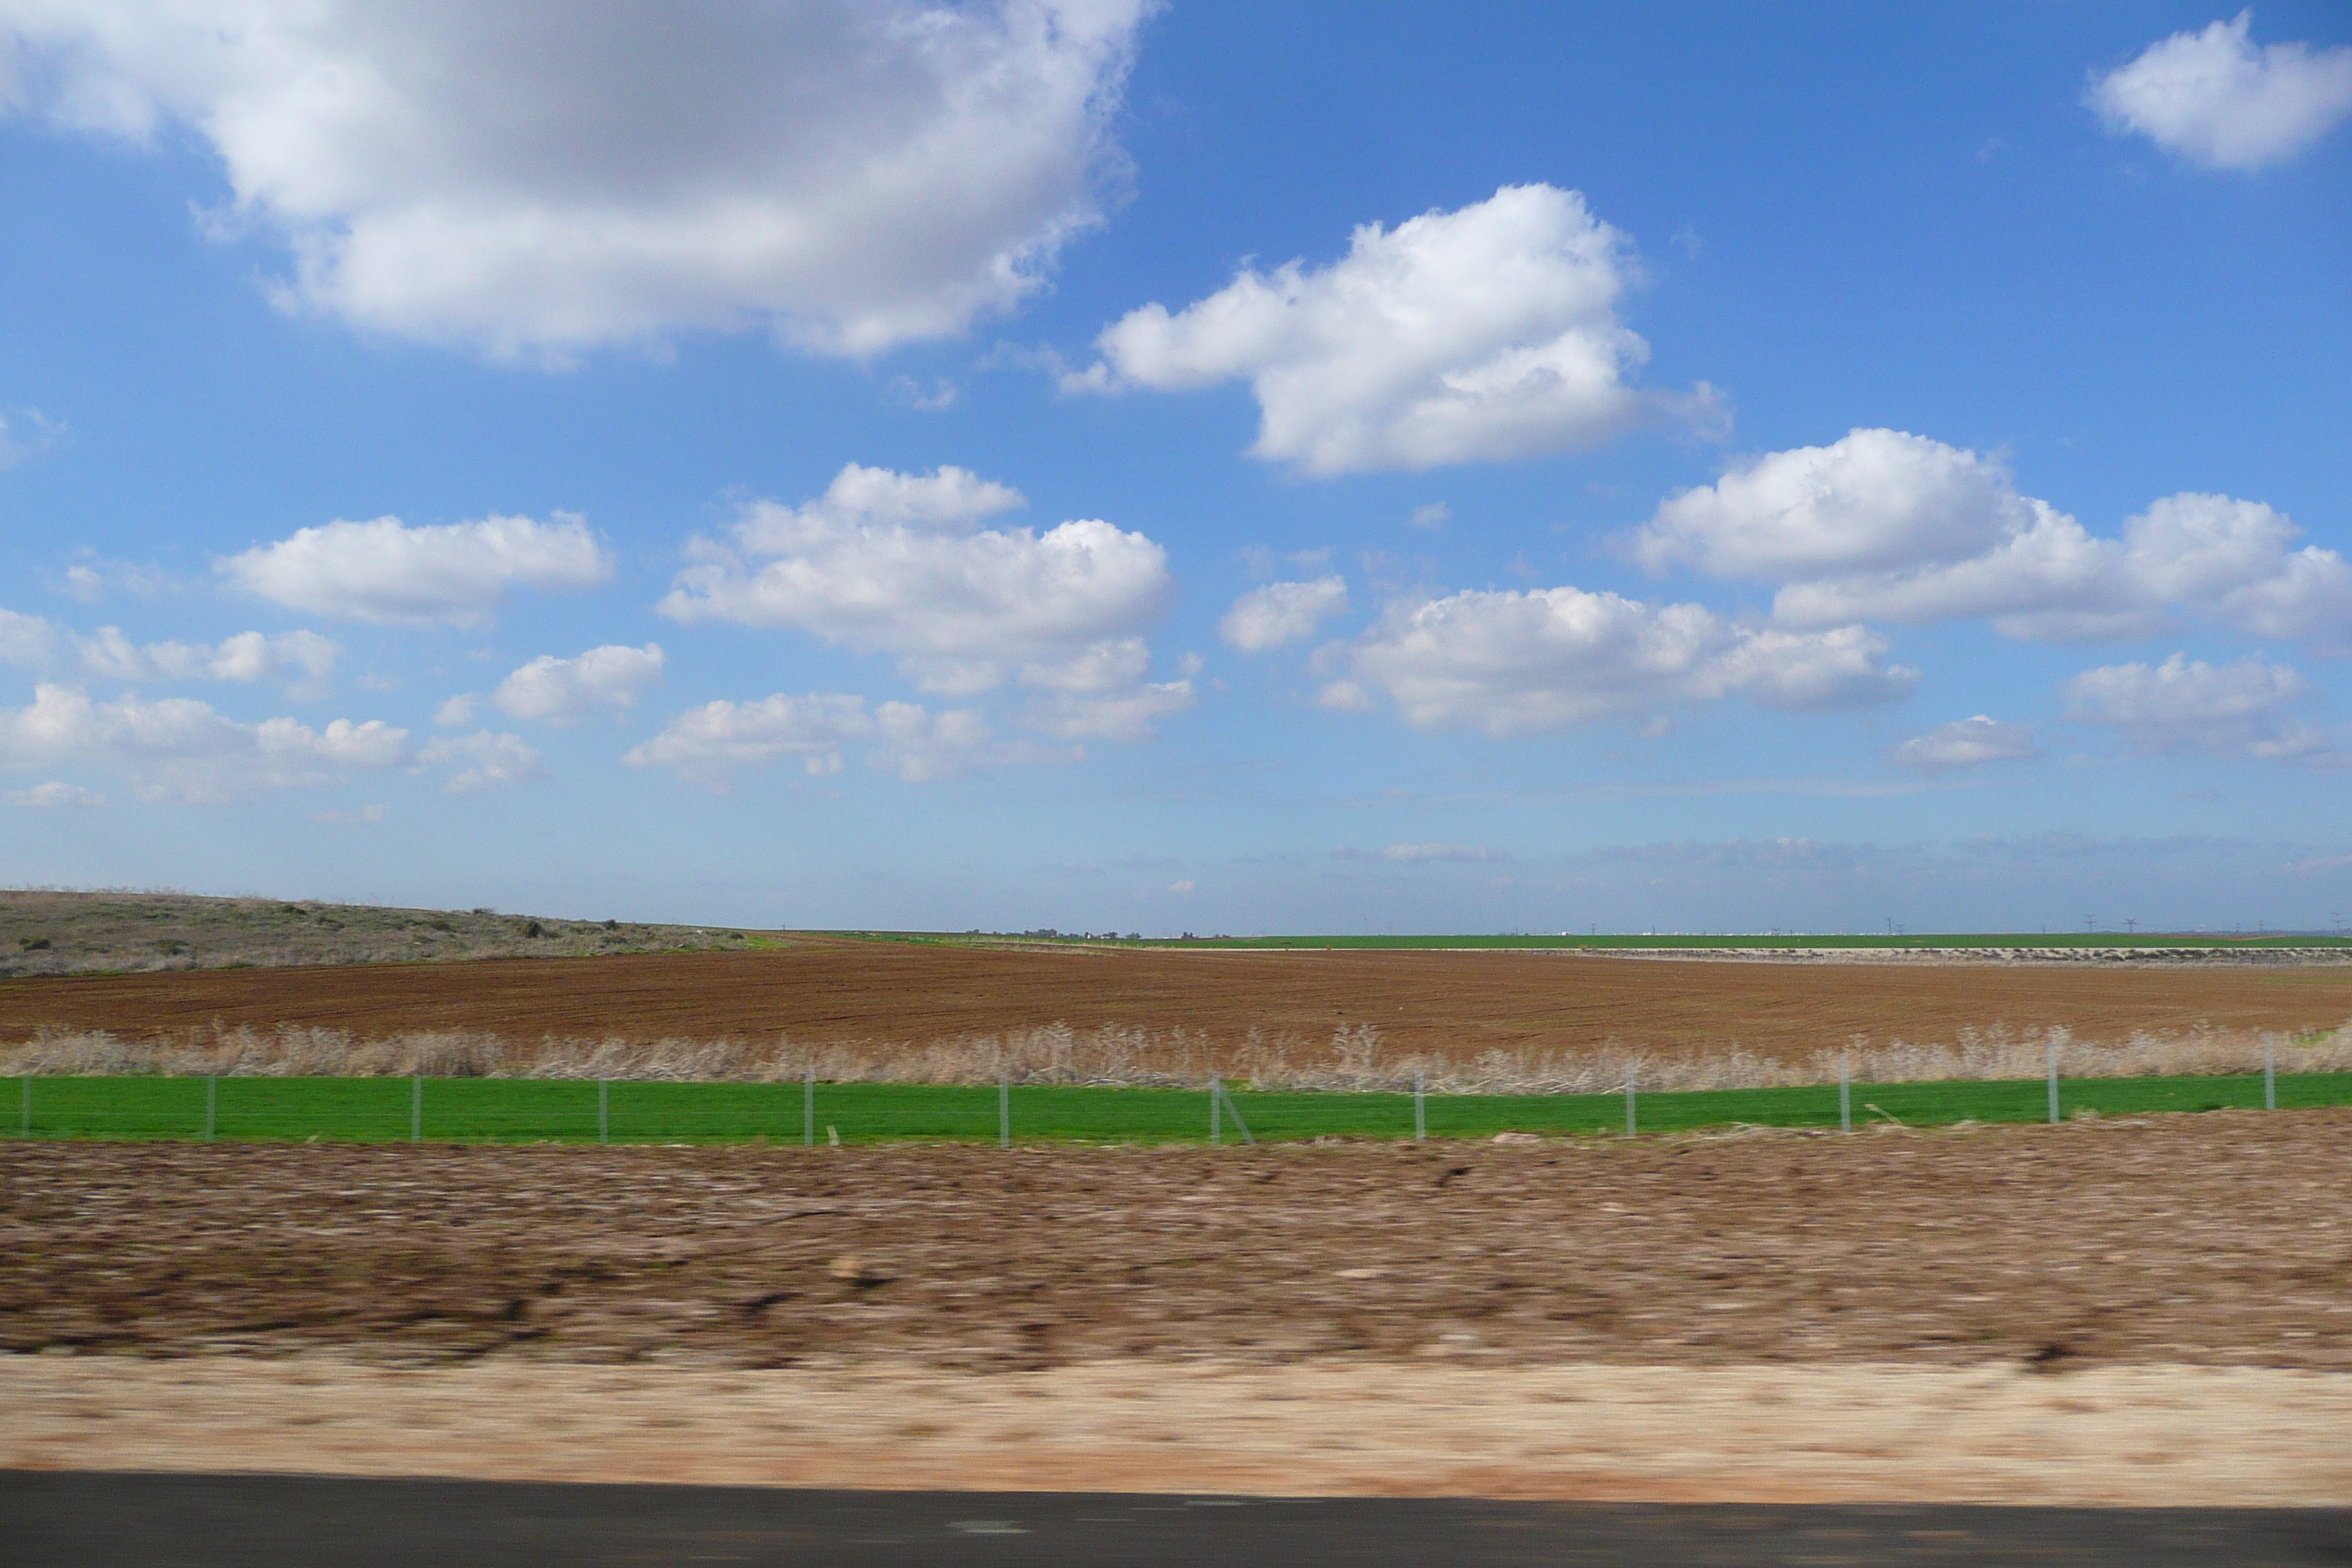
(383,1110)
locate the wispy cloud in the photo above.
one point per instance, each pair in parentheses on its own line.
(26,433)
(56,797)
(1409,854)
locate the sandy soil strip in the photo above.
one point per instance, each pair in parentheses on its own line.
(2118,1434)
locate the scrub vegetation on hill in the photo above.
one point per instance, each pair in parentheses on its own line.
(47,932)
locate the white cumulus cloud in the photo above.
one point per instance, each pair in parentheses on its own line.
(1282,613)
(563,690)
(2185,708)
(920,745)
(538,179)
(1510,662)
(1966,743)
(1127,713)
(1487,333)
(2221,101)
(302,662)
(2204,557)
(1101,693)
(898,564)
(453,574)
(1872,500)
(1104,694)
(178,749)
(715,742)
(29,642)
(1885,526)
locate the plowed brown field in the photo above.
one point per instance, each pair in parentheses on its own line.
(2220,1238)
(823,991)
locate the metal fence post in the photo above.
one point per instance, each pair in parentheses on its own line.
(1217,1112)
(1003,1107)
(2054,1081)
(603,1111)
(1845,1092)
(1629,1099)
(1235,1111)
(2270,1076)
(416,1109)
(1420,1105)
(808,1111)
(211,1107)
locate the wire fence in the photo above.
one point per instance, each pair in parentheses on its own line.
(814,1111)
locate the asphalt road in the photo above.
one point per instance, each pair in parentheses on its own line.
(108,1521)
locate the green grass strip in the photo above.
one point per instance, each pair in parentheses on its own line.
(512,1111)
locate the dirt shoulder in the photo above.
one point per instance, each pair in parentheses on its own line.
(2113,1435)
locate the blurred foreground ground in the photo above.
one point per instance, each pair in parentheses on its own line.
(2217,1239)
(2148,1312)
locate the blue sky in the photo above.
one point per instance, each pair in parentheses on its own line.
(1184,468)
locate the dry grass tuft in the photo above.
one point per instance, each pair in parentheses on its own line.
(1351,1059)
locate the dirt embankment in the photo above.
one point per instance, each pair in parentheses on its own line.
(1452,1003)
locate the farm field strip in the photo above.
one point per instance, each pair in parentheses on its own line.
(890,997)
(1793,941)
(388,1110)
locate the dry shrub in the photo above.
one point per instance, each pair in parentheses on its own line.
(1351,1059)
